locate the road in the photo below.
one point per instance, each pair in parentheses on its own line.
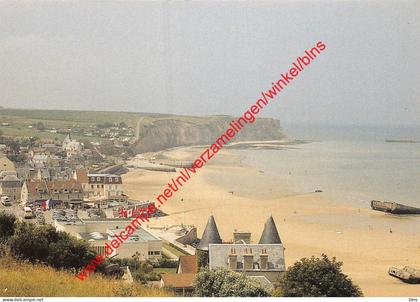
(137,132)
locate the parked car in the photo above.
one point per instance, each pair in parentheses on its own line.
(28,213)
(6,201)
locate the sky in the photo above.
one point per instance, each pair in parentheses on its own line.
(205,58)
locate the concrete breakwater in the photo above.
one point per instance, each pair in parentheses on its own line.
(178,164)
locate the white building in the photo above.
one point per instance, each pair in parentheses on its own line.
(72,147)
(101,233)
(100,186)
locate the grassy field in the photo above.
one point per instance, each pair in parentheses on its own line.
(173,250)
(20,120)
(23,279)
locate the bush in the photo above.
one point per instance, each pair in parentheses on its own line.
(165,263)
(143,277)
(224,283)
(45,244)
(317,277)
(7,226)
(202,259)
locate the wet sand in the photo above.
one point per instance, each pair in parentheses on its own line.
(308,224)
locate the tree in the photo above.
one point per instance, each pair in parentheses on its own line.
(7,226)
(225,283)
(69,252)
(45,244)
(315,277)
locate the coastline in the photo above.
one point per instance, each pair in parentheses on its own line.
(242,197)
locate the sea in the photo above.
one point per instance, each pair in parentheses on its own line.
(350,164)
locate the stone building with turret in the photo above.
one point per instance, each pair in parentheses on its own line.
(263,261)
(210,236)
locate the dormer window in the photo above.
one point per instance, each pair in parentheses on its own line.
(98,178)
(92,179)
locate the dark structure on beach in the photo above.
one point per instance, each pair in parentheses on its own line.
(393,207)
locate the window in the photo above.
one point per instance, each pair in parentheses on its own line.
(97,186)
(98,178)
(92,179)
(91,186)
(102,186)
(100,250)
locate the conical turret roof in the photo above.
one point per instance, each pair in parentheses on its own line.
(270,234)
(210,235)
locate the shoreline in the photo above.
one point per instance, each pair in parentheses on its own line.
(309,224)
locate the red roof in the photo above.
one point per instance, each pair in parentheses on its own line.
(187,264)
(53,186)
(81,176)
(179,280)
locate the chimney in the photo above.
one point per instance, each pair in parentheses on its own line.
(264,260)
(233,258)
(248,259)
(241,237)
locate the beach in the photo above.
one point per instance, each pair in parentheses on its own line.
(242,197)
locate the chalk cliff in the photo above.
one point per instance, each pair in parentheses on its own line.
(165,133)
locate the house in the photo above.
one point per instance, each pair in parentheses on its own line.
(263,260)
(187,265)
(80,175)
(181,284)
(38,151)
(6,164)
(51,147)
(62,190)
(100,234)
(100,186)
(72,147)
(25,173)
(10,185)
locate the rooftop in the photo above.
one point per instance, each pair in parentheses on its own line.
(179,280)
(94,236)
(270,235)
(210,235)
(188,264)
(140,235)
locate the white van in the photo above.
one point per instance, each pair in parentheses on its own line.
(28,212)
(6,201)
